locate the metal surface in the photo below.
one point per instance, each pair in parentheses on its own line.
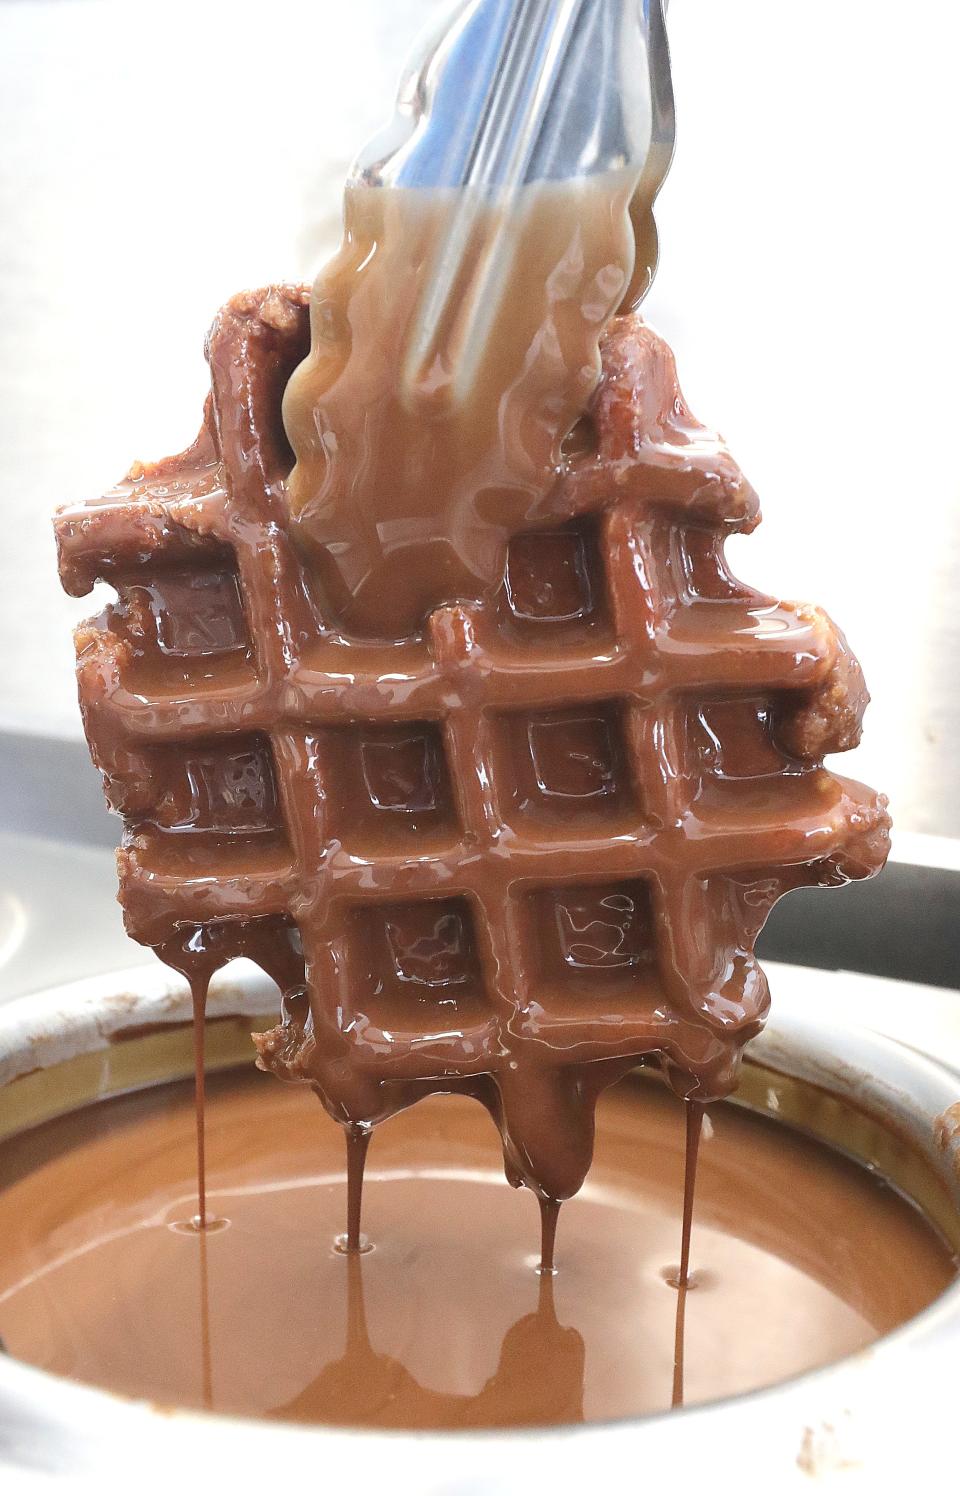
(59,916)
(847,1423)
(507,94)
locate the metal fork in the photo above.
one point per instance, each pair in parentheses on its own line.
(506,93)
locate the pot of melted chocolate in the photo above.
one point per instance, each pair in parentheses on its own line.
(440,1322)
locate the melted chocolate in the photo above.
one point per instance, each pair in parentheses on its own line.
(798,1258)
(694,1132)
(412,477)
(452,716)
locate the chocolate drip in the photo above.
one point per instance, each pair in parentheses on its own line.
(197,952)
(198,993)
(358,1141)
(192,954)
(549,1216)
(694,1131)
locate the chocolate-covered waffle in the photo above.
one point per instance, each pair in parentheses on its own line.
(513,853)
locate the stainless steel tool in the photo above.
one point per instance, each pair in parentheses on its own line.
(505,94)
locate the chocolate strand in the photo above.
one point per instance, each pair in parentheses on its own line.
(198,993)
(694,1113)
(358,1136)
(549,1215)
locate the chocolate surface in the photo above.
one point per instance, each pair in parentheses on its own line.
(514,851)
(416,466)
(798,1258)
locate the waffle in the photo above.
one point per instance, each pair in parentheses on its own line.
(511,856)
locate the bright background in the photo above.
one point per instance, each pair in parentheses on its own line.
(157,158)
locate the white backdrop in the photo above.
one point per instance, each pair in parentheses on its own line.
(158,157)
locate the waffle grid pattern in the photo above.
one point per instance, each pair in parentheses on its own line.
(221,711)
